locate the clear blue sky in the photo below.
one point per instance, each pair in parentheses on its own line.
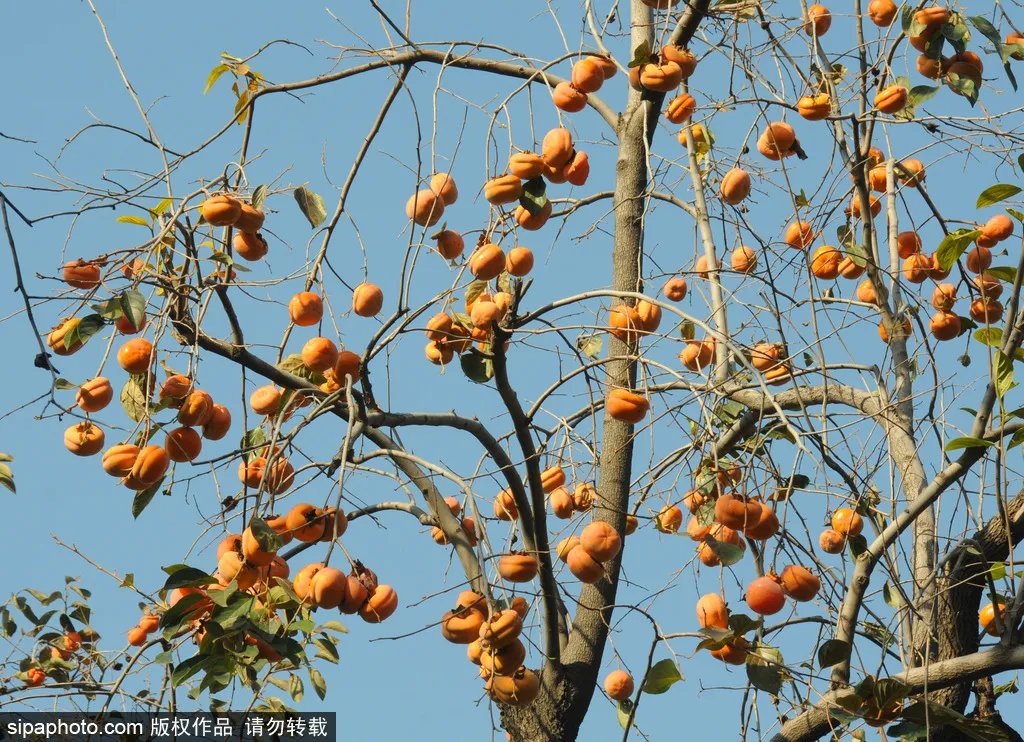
(60,76)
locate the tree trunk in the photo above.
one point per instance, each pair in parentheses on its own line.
(961,591)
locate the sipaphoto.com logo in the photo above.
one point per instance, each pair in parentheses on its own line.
(61,728)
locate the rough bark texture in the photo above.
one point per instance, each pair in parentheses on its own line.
(961,592)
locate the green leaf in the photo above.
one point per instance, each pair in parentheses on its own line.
(188,577)
(590,345)
(333,626)
(259,196)
(1018,439)
(987,30)
(1018,215)
(295,689)
(214,75)
(728,554)
(662,676)
(763,675)
(161,207)
(953,245)
(937,715)
(858,254)
(266,536)
(7,478)
(319,685)
(641,55)
(995,194)
(188,668)
(1003,273)
(534,197)
(857,545)
(892,598)
(143,498)
(915,97)
(967,442)
(239,606)
(476,368)
(133,307)
(1010,687)
(1020,161)
(251,443)
(132,219)
(134,399)
(327,649)
(833,652)
(62,385)
(311,205)
(180,612)
(740,623)
(997,570)
(622,712)
(1003,372)
(85,329)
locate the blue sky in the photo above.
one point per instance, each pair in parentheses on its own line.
(65,80)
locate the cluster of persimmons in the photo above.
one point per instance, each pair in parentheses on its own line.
(722,517)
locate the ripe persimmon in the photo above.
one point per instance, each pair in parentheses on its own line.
(319,354)
(304,524)
(601,541)
(84,439)
(698,353)
(681,108)
(818,20)
(987,619)
(424,208)
(799,583)
(94,395)
(249,246)
(487,262)
(583,566)
(367,299)
(743,259)
(450,244)
(519,261)
(765,596)
(64,338)
(882,12)
(348,364)
(305,308)
(891,99)
(814,107)
(183,444)
(712,611)
(150,464)
(675,288)
(627,406)
(505,506)
(196,409)
(945,326)
(118,460)
(443,186)
(847,522)
(735,186)
(669,519)
(618,684)
(81,274)
(135,356)
(567,97)
(518,567)
(221,210)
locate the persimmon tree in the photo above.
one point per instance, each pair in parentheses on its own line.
(804,364)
